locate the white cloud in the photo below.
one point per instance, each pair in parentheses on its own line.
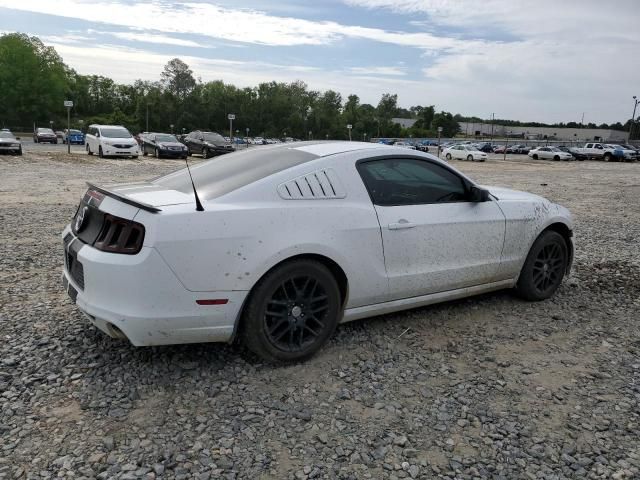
(393,71)
(153,38)
(238,25)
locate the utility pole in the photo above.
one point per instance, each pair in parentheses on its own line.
(493,115)
(439,133)
(147,117)
(349,127)
(633,117)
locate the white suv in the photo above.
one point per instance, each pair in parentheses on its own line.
(111,141)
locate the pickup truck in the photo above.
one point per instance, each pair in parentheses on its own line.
(606,152)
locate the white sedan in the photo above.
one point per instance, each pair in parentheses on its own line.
(549,153)
(464,152)
(277,245)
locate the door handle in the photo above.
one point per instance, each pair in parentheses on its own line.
(402,224)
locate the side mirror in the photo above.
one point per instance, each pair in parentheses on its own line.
(17,138)
(97,134)
(478,194)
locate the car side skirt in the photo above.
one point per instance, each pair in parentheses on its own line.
(357,313)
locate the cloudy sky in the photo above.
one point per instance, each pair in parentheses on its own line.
(548,60)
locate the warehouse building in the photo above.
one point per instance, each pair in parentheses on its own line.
(543,133)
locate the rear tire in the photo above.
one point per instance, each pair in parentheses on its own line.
(544,268)
(291,312)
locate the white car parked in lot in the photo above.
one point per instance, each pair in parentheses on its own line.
(404,145)
(464,152)
(282,243)
(549,153)
(111,141)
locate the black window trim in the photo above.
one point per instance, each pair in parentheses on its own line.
(465,182)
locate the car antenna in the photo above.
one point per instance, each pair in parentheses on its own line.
(199,206)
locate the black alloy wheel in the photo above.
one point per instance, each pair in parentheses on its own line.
(544,268)
(292,311)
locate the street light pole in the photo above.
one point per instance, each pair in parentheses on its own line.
(633,117)
(492,119)
(439,132)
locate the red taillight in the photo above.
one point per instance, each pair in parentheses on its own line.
(214,301)
(119,235)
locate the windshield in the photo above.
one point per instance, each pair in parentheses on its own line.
(115,132)
(75,132)
(213,137)
(45,130)
(166,138)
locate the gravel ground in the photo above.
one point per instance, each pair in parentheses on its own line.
(489,387)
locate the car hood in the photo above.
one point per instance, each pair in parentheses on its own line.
(119,139)
(9,140)
(150,193)
(171,144)
(507,194)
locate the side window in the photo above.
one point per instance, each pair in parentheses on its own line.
(410,182)
(589,145)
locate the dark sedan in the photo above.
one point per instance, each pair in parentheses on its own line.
(207,143)
(10,144)
(44,135)
(576,154)
(162,145)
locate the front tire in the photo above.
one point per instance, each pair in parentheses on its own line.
(291,312)
(556,158)
(535,156)
(544,268)
(100,154)
(89,152)
(206,153)
(156,153)
(470,158)
(448,156)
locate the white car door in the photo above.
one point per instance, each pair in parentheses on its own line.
(434,238)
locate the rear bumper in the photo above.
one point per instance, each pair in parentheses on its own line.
(138,297)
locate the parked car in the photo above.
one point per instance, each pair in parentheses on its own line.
(464,152)
(549,153)
(404,145)
(485,147)
(74,137)
(603,151)
(622,154)
(577,155)
(288,241)
(60,134)
(44,135)
(522,149)
(207,144)
(111,141)
(499,149)
(162,145)
(259,141)
(9,143)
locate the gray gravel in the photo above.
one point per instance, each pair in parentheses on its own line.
(489,387)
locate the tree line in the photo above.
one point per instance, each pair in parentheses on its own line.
(34,82)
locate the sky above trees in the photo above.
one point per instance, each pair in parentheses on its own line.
(545,61)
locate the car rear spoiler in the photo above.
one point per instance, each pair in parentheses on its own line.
(123,199)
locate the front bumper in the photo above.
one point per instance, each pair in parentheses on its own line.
(7,148)
(139,297)
(111,151)
(173,153)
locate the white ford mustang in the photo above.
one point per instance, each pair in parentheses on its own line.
(282,243)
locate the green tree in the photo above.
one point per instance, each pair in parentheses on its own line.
(33,81)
